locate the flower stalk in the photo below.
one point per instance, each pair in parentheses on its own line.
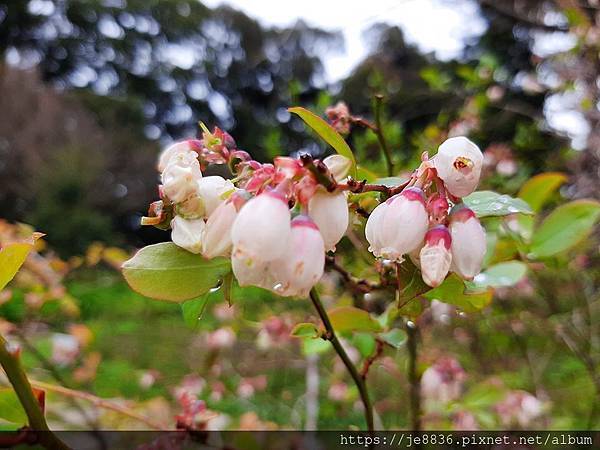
(413,378)
(378,130)
(331,337)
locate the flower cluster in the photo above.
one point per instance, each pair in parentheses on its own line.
(277,221)
(275,225)
(420,222)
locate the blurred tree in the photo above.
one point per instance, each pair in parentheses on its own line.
(136,71)
(61,168)
(484,94)
(178,61)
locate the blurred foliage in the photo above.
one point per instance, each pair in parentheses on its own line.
(109,81)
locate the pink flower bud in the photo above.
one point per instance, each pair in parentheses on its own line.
(176,149)
(65,349)
(468,243)
(398,226)
(443,381)
(458,163)
(180,177)
(330,213)
(435,256)
(302,265)
(188,234)
(338,165)
(217,236)
(213,190)
(519,408)
(262,227)
(437,206)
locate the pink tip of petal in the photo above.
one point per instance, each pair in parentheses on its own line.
(437,234)
(414,194)
(304,221)
(461,214)
(277,195)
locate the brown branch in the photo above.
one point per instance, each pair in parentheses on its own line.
(337,346)
(371,359)
(359,187)
(415,385)
(99,402)
(380,137)
(357,284)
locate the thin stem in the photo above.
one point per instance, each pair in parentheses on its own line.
(99,402)
(415,388)
(380,137)
(371,359)
(17,378)
(331,337)
(357,284)
(57,376)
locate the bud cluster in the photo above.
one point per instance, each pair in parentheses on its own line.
(420,222)
(277,221)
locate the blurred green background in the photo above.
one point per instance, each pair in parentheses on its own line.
(91,90)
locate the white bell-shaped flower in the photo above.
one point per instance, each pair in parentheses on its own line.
(458,163)
(303,263)
(398,226)
(188,234)
(173,150)
(217,236)
(180,177)
(213,190)
(250,270)
(329,210)
(468,243)
(435,256)
(262,227)
(339,166)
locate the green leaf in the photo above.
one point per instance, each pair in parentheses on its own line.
(12,257)
(305,330)
(365,343)
(10,407)
(395,337)
(455,292)
(167,272)
(411,281)
(565,227)
(193,310)
(315,346)
(327,133)
(502,274)
(538,190)
(390,181)
(362,173)
(349,318)
(386,319)
(489,203)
